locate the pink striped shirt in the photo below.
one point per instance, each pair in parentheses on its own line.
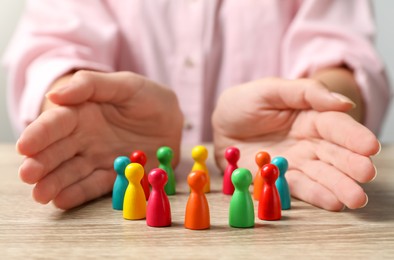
(195,47)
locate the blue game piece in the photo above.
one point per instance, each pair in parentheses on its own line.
(121,182)
(281,182)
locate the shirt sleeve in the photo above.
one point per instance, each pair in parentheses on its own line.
(327,33)
(53,38)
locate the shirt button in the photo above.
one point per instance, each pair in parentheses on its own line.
(189,63)
(187,125)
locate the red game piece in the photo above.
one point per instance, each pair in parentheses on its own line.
(262,158)
(140,157)
(158,213)
(269,203)
(197,208)
(232,156)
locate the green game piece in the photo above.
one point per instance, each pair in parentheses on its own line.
(164,155)
(241,214)
(281,182)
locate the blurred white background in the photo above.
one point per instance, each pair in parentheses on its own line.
(384,10)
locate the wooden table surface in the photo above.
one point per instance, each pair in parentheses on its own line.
(32,231)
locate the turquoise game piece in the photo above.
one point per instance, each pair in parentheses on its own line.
(164,156)
(121,182)
(241,213)
(281,182)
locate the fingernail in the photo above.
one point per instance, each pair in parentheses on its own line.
(380,149)
(366,201)
(343,99)
(376,174)
(17,146)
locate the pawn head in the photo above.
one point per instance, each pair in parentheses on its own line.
(157,177)
(197,180)
(262,158)
(199,153)
(120,164)
(138,157)
(282,164)
(134,172)
(232,154)
(164,154)
(241,178)
(270,173)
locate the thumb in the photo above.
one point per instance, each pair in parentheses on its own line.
(98,87)
(303,94)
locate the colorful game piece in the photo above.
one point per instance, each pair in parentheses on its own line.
(158,212)
(164,156)
(200,155)
(134,204)
(281,182)
(197,208)
(140,157)
(269,203)
(120,184)
(232,156)
(262,158)
(241,213)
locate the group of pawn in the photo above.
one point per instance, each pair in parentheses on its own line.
(132,189)
(270,188)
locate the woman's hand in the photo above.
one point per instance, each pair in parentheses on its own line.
(328,151)
(70,148)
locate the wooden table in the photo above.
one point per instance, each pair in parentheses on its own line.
(29,230)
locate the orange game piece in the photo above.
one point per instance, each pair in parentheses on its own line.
(262,158)
(197,208)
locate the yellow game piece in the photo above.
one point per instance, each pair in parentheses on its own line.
(200,155)
(134,204)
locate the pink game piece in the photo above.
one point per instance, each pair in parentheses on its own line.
(232,156)
(158,213)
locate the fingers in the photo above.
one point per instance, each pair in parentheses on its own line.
(356,166)
(341,129)
(37,167)
(93,86)
(273,103)
(48,128)
(311,94)
(301,94)
(337,128)
(65,175)
(344,188)
(303,188)
(97,184)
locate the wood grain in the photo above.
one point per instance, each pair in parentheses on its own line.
(33,231)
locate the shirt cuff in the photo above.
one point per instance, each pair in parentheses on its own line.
(371,80)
